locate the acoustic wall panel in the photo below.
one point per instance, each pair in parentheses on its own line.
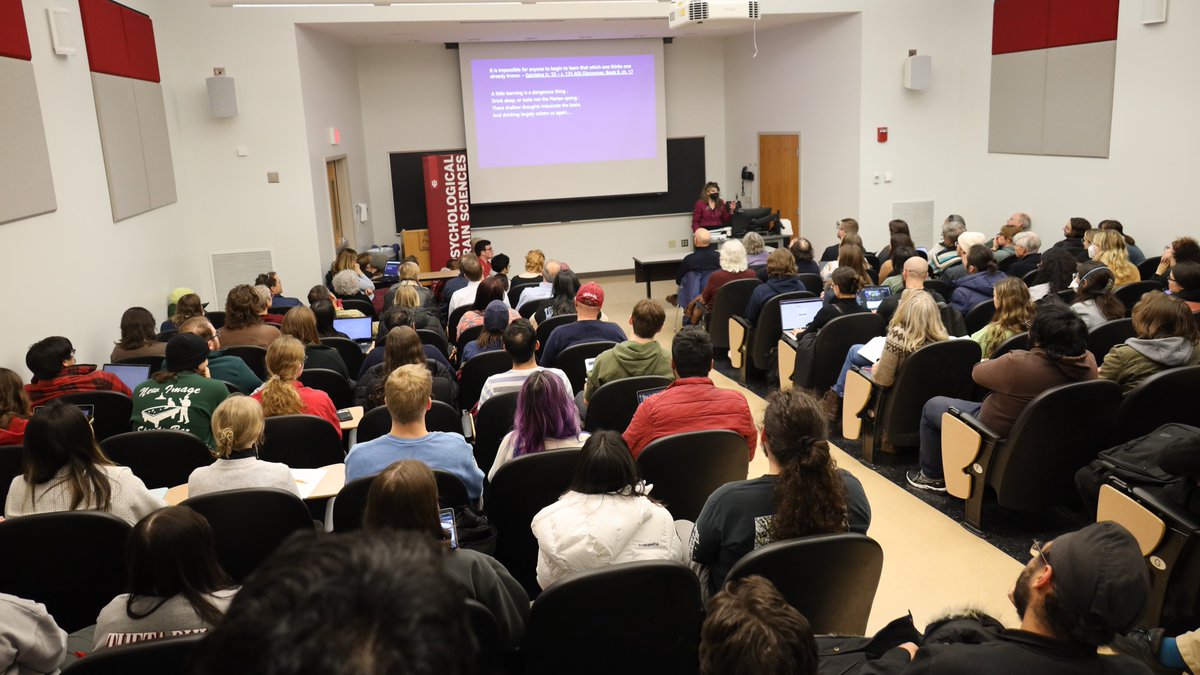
(1017,102)
(156,146)
(1079,99)
(1020,25)
(104,34)
(121,141)
(14,39)
(1077,22)
(26,184)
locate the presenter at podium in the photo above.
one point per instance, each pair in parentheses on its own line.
(711,211)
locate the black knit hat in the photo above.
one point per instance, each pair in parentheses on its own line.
(185,351)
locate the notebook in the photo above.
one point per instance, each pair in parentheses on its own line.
(357,329)
(872,296)
(797,314)
(132,374)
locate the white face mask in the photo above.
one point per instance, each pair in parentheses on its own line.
(1092,251)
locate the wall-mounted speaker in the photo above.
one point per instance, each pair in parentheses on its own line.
(222,96)
(1154,11)
(918,71)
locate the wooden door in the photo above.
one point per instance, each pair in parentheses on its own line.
(779,175)
(335,204)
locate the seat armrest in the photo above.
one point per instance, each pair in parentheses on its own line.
(1168,510)
(742,321)
(865,373)
(975,424)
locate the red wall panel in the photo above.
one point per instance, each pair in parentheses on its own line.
(1077,22)
(119,40)
(1019,25)
(139,40)
(14,40)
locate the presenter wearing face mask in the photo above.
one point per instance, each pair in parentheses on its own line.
(711,211)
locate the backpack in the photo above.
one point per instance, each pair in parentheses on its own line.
(1136,463)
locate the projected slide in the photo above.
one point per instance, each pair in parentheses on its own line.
(564,110)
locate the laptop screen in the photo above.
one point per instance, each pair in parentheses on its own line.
(871,296)
(391,268)
(356,329)
(647,393)
(132,374)
(795,314)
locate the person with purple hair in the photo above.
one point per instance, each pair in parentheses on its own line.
(546,419)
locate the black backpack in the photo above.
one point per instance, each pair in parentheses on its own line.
(1137,463)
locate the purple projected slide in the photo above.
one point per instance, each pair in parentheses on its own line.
(564,110)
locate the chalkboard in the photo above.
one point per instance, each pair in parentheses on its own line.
(685,178)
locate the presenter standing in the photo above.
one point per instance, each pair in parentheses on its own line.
(711,211)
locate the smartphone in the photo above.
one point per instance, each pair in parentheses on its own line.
(344,415)
(87,409)
(447,518)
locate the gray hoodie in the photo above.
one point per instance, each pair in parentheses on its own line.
(1130,363)
(1172,352)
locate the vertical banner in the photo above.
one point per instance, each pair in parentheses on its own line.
(447,207)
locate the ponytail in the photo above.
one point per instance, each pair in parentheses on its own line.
(810,497)
(279,397)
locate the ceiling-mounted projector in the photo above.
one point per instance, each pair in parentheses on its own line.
(692,12)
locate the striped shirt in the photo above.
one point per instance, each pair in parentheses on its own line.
(503,383)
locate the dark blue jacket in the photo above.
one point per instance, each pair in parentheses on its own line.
(974,289)
(768,290)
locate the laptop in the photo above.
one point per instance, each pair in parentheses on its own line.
(644,394)
(357,329)
(795,315)
(871,296)
(391,269)
(132,374)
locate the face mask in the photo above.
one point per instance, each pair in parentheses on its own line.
(1074,283)
(714,196)
(1092,250)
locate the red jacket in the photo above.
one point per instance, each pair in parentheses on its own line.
(690,404)
(316,403)
(15,433)
(72,380)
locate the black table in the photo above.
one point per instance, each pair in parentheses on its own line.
(656,268)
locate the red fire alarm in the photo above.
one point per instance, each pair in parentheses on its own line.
(881,134)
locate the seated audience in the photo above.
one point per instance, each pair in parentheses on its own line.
(64,470)
(278,299)
(500,263)
(703,259)
(966,240)
(845,226)
(916,323)
(496,318)
(301,324)
(521,344)
(898,240)
(1014,313)
(546,419)
(137,336)
(347,260)
(534,262)
(562,301)
(692,402)
(749,627)
(1058,355)
(404,498)
(284,394)
(52,362)
(1136,256)
(176,585)
(366,265)
(1075,594)
(14,408)
(1167,337)
(981,278)
(605,518)
(423,318)
(483,250)
(347,286)
(1094,301)
(244,325)
(264,298)
(1072,240)
(489,290)
(912,276)
(222,366)
(325,313)
(182,396)
(472,269)
(402,347)
(948,255)
(756,250)
(852,255)
(408,395)
(380,602)
(1108,248)
(802,251)
(321,292)
(1026,247)
(845,285)
(182,304)
(1183,249)
(1003,246)
(444,290)
(410,275)
(1183,281)
(802,493)
(545,288)
(734,265)
(397,316)
(31,641)
(901,255)
(588,327)
(781,278)
(1056,270)
(638,356)
(237,429)
(895,226)
(1021,220)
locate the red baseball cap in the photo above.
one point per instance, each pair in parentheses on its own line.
(590,294)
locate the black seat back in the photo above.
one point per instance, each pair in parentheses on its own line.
(350,504)
(1162,398)
(830,578)
(686,468)
(111,411)
(1107,335)
(167,655)
(476,371)
(1129,294)
(468,335)
(254,357)
(494,420)
(361,304)
(453,319)
(249,524)
(301,442)
(217,319)
(11,466)
(939,369)
(1020,341)
(161,457)
(731,300)
(769,328)
(535,307)
(978,316)
(614,403)
(573,360)
(521,488)
(440,417)
(330,382)
(834,341)
(351,353)
(544,328)
(517,286)
(432,337)
(663,635)
(812,283)
(1148,267)
(942,288)
(72,561)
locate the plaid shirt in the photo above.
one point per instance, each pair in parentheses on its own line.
(71,380)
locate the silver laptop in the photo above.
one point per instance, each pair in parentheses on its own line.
(357,329)
(795,315)
(132,374)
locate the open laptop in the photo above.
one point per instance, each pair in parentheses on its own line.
(644,394)
(132,374)
(795,315)
(871,296)
(357,329)
(391,269)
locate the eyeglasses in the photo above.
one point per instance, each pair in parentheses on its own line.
(1038,550)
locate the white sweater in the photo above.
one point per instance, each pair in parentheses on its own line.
(508,446)
(582,532)
(131,501)
(248,472)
